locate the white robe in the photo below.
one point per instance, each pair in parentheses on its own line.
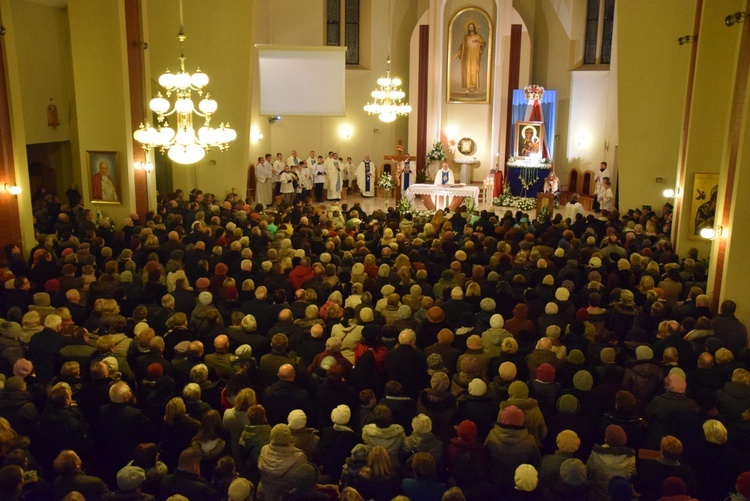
(334,179)
(263,184)
(599,181)
(439,178)
(362,182)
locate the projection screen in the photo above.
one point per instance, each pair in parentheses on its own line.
(301,80)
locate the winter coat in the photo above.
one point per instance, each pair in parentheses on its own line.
(534,419)
(549,468)
(334,446)
(643,379)
(19,409)
(276,465)
(734,399)
(306,440)
(441,409)
(606,462)
(211,451)
(235,422)
(350,336)
(424,442)
(508,447)
(661,412)
(390,438)
(482,411)
(282,397)
(252,440)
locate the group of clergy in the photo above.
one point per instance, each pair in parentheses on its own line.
(331,175)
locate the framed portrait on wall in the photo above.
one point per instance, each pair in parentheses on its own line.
(104,176)
(703,203)
(469,72)
(529,137)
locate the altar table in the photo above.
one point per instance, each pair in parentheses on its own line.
(527,180)
(441,197)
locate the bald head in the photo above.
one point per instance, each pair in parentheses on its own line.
(221,343)
(286,373)
(285,315)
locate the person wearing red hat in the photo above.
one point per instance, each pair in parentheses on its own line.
(612,459)
(510,445)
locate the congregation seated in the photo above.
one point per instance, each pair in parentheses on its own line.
(216,350)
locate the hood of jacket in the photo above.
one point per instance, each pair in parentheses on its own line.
(277,460)
(525,404)
(437,401)
(510,435)
(613,458)
(15,399)
(737,390)
(391,433)
(521,311)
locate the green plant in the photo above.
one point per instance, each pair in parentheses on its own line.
(404,205)
(386,181)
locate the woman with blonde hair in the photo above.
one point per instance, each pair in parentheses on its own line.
(235,419)
(31,324)
(378,479)
(312,317)
(177,431)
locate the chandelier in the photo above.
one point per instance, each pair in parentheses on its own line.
(181,142)
(387,98)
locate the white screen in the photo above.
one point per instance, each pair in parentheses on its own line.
(301,80)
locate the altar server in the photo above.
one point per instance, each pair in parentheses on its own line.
(366,177)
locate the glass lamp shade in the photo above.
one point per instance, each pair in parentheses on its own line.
(207,106)
(199,79)
(167,80)
(387,116)
(159,105)
(208,135)
(182,80)
(186,154)
(165,135)
(396,82)
(184,105)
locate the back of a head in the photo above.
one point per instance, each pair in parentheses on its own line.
(189,459)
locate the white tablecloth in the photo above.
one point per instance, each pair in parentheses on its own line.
(442,194)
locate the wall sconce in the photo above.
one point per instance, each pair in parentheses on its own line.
(671,192)
(710,233)
(737,17)
(273,120)
(345,132)
(687,39)
(255,136)
(13,189)
(147,166)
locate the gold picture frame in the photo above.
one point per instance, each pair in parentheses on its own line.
(469,57)
(105,177)
(530,147)
(703,197)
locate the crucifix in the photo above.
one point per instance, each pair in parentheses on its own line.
(399,158)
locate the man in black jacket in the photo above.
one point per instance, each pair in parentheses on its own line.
(283,396)
(407,365)
(187,480)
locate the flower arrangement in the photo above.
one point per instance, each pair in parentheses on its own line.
(436,153)
(386,181)
(525,203)
(543,215)
(404,205)
(471,204)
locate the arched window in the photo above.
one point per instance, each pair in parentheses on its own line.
(600,16)
(342,27)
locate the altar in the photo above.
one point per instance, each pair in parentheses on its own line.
(526,179)
(441,197)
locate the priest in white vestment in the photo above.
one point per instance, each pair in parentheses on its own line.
(334,178)
(444,176)
(263,183)
(366,177)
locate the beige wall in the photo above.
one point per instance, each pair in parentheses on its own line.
(652,73)
(102,97)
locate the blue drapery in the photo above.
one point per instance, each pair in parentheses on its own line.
(549,111)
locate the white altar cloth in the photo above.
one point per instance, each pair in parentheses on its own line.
(442,195)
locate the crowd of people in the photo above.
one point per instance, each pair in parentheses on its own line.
(213,350)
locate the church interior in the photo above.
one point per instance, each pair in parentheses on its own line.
(658,90)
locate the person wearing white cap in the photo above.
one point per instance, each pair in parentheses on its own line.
(336,443)
(305,439)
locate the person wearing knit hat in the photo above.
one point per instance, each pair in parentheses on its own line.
(507,371)
(613,459)
(130,478)
(474,342)
(568,441)
(240,489)
(23,368)
(742,485)
(202,284)
(573,473)
(644,352)
(510,445)
(435,314)
(440,382)
(526,478)
(477,388)
(488,304)
(562,294)
(607,355)
(435,364)
(567,404)
(341,415)
(583,380)
(576,357)
(518,395)
(277,462)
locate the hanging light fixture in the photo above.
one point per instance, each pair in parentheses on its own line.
(387,97)
(181,142)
